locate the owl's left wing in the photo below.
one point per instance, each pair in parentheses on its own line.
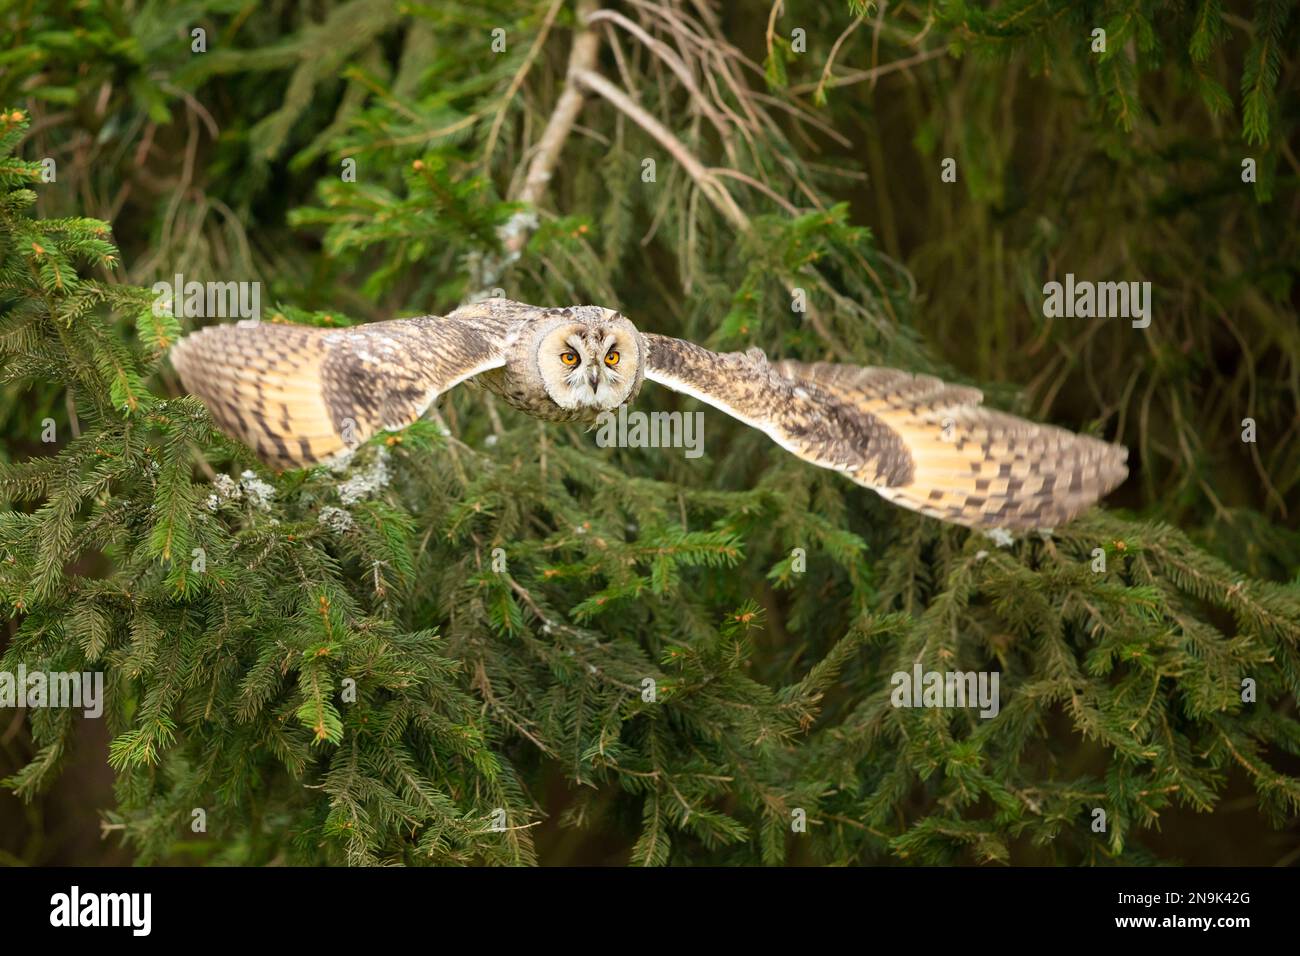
(915,440)
(299,394)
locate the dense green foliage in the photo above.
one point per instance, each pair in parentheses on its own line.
(499,593)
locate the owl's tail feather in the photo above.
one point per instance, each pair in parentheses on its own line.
(262,384)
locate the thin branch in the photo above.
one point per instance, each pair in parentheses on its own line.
(713,190)
(770,36)
(861,76)
(704,177)
(586,44)
(835,49)
(519,76)
(546,152)
(762,187)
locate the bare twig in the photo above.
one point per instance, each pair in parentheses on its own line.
(875,40)
(546,152)
(770,36)
(861,76)
(708,183)
(586,44)
(704,177)
(835,49)
(678,65)
(518,79)
(762,187)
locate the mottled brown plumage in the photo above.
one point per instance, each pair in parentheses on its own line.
(968,464)
(298,395)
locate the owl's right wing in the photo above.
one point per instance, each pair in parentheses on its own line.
(297,394)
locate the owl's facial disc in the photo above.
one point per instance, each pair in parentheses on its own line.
(590,364)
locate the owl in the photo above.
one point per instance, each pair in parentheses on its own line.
(298,395)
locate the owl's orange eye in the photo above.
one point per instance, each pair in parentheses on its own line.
(611,358)
(569,358)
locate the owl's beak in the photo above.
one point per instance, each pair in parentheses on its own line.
(593,377)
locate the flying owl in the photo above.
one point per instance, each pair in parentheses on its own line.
(298,395)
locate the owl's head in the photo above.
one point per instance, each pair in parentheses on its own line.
(589,358)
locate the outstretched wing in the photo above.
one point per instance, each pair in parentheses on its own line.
(298,394)
(917,441)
